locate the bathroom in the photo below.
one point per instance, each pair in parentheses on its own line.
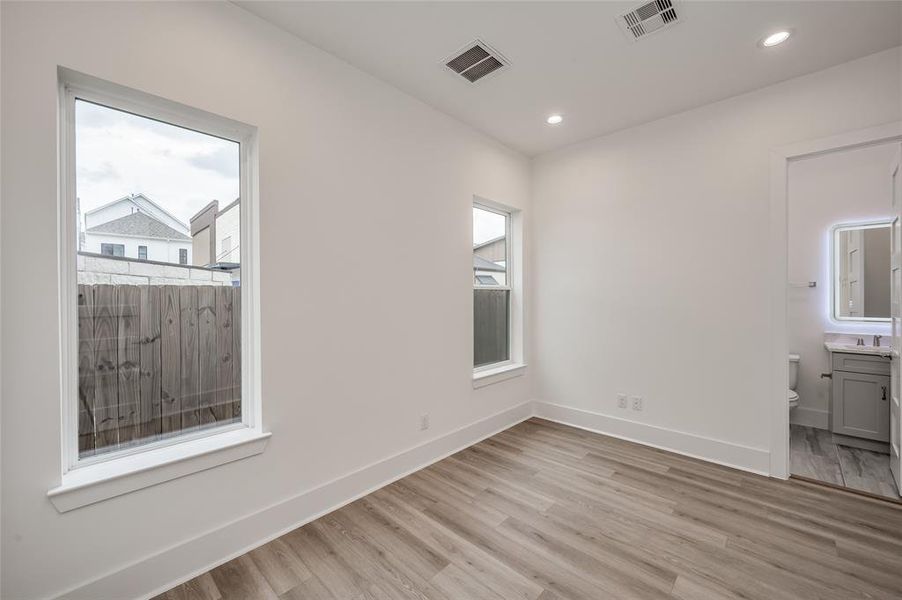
(840,224)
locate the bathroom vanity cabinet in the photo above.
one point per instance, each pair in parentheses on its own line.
(861,395)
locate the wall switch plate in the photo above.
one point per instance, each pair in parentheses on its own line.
(637,402)
(621,400)
(424,422)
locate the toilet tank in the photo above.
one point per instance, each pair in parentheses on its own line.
(793,371)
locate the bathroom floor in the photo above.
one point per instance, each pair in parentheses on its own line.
(814,454)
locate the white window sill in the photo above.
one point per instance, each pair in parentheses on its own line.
(498,374)
(93,483)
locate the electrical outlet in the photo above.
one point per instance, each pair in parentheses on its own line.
(424,422)
(621,400)
(637,402)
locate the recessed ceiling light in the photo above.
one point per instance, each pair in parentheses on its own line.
(554,119)
(776,38)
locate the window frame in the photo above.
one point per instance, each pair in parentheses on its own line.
(140,248)
(515,364)
(77,86)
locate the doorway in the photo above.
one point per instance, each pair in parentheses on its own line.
(822,294)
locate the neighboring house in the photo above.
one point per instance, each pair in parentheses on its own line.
(216,237)
(136,227)
(489,262)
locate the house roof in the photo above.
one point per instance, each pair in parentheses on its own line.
(140,225)
(218,211)
(132,198)
(487,242)
(481,264)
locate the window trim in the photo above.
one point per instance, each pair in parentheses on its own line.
(515,364)
(75,471)
(139,252)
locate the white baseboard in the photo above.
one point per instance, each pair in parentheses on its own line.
(810,417)
(195,556)
(190,558)
(755,460)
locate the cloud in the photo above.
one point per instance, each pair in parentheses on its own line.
(118,153)
(487,225)
(104,172)
(222,160)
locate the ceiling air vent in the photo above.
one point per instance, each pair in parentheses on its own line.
(648,18)
(475,61)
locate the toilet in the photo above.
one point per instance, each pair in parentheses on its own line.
(792,395)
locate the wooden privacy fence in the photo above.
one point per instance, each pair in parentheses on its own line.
(154,361)
(491,321)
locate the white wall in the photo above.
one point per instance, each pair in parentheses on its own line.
(228,224)
(664,231)
(843,187)
(350,363)
(116,271)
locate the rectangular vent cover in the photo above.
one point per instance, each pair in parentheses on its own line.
(475,61)
(648,18)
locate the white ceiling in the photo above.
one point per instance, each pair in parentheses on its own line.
(572,58)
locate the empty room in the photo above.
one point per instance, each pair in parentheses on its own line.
(393,301)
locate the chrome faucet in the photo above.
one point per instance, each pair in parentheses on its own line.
(877,339)
(860,342)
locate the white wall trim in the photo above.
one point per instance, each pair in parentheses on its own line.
(810,417)
(755,460)
(140,579)
(498,374)
(779,260)
(197,555)
(108,479)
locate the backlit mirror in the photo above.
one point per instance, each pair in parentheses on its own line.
(861,272)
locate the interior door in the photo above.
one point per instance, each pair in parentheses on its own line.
(854,259)
(896,319)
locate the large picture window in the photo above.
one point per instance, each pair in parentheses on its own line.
(157,349)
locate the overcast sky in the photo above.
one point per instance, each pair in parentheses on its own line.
(487,225)
(119,153)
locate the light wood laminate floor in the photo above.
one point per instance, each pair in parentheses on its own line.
(549,512)
(814,454)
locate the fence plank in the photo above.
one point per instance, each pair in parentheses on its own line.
(236,352)
(208,353)
(190,358)
(106,390)
(150,413)
(223,410)
(171,361)
(86,372)
(490,326)
(129,352)
(155,361)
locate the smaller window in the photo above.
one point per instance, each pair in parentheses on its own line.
(112,249)
(142,252)
(183,256)
(491,286)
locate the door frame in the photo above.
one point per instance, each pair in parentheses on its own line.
(779,260)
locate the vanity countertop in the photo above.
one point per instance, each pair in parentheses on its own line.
(855,349)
